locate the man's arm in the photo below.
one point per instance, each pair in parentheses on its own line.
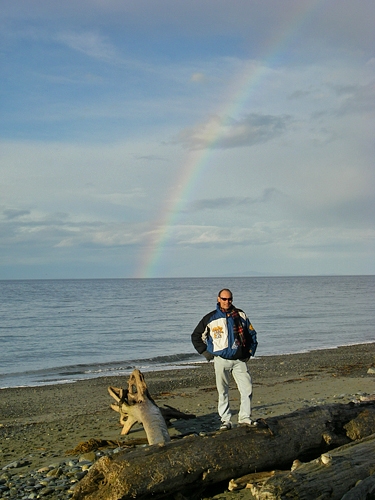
(200,334)
(197,337)
(253,338)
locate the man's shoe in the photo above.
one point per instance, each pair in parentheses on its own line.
(225,426)
(249,422)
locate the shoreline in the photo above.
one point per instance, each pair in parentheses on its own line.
(40,424)
(184,365)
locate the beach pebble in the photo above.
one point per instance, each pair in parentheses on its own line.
(54,472)
(326,458)
(16,464)
(55,482)
(46,480)
(43,469)
(46,491)
(87,458)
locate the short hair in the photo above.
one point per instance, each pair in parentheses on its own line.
(225,290)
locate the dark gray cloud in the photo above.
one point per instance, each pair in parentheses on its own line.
(361,99)
(344,89)
(299,94)
(221,133)
(151,158)
(14,213)
(232,201)
(349,99)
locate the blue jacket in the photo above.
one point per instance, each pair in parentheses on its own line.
(215,334)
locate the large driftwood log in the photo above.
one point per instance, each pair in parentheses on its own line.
(330,476)
(259,478)
(200,461)
(362,490)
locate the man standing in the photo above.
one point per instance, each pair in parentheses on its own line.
(227,336)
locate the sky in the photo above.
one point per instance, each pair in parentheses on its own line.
(174,138)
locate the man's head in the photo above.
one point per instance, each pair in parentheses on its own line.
(225,298)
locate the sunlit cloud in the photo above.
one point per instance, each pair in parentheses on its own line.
(198,77)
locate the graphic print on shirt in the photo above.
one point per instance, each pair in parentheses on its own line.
(219,334)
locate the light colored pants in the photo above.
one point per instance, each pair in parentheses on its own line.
(241,375)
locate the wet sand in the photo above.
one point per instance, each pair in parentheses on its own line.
(40,424)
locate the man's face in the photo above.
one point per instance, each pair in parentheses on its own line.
(225,300)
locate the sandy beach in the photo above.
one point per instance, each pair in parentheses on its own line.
(38,425)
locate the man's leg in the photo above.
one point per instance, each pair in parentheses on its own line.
(245,387)
(222,368)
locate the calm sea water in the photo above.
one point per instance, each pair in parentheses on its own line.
(55,331)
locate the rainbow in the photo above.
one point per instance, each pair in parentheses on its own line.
(198,160)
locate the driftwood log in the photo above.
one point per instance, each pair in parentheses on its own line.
(201,461)
(356,461)
(330,476)
(362,490)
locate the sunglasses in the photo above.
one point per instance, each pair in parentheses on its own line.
(226,300)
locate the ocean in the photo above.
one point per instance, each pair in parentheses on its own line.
(61,331)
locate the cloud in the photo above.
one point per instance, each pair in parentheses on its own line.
(10,214)
(200,235)
(91,44)
(361,99)
(222,133)
(226,203)
(278,235)
(151,158)
(351,99)
(31,227)
(197,77)
(299,94)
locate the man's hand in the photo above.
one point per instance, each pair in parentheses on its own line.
(208,355)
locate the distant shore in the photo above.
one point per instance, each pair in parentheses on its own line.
(42,423)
